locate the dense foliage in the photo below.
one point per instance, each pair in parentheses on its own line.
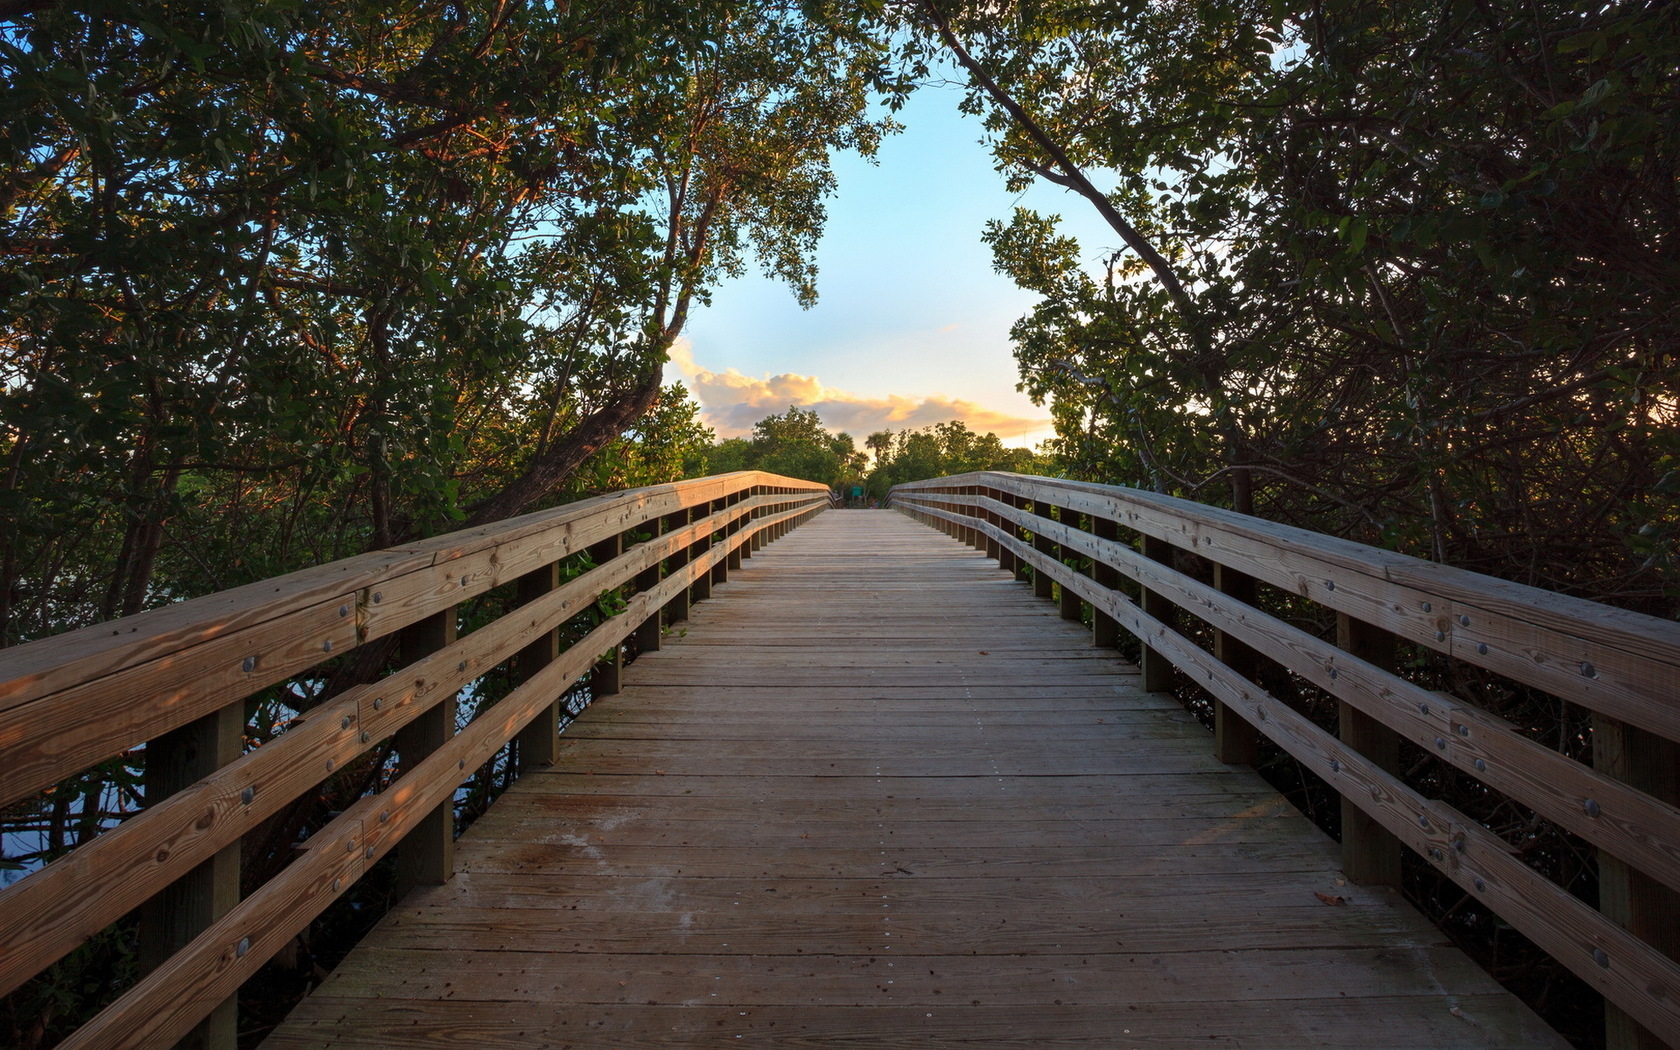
(287,281)
(1402,271)
(798,445)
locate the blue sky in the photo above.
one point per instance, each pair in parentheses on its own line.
(912,326)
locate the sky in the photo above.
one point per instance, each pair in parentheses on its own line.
(912,324)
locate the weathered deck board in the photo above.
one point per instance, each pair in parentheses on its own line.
(874,793)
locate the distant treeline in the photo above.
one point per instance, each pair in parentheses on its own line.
(798,445)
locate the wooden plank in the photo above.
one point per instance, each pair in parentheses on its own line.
(1641,980)
(1641,829)
(67,703)
(1387,1023)
(1620,663)
(168,1002)
(639,909)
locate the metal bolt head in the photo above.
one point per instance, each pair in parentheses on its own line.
(462,764)
(1441,742)
(245,946)
(1588,670)
(343,611)
(1478,883)
(345,723)
(350,847)
(1335,765)
(378,596)
(1591,807)
(1423,709)
(366,736)
(385,817)
(1423,822)
(326,646)
(1329,585)
(249,665)
(1428,607)
(1601,958)
(338,884)
(378,702)
(1481,765)
(1463,730)
(1440,636)
(248,796)
(1464,621)
(369,853)
(1437,854)
(1481,648)
(330,765)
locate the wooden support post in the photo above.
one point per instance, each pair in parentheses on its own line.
(676,610)
(186,907)
(1043,585)
(1235,742)
(733,563)
(1157,669)
(604,677)
(1071,605)
(702,586)
(650,633)
(1105,629)
(1370,853)
(1646,907)
(539,741)
(994,550)
(720,536)
(426,856)
(751,543)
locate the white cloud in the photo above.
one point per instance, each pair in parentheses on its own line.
(732,402)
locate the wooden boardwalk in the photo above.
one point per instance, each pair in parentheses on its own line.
(876,794)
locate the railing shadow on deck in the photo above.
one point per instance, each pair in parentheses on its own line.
(176,679)
(1623,667)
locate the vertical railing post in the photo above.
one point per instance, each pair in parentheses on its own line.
(1370,853)
(651,632)
(676,610)
(604,677)
(702,587)
(1157,669)
(189,905)
(751,542)
(1105,629)
(539,741)
(733,563)
(426,855)
(1072,606)
(994,550)
(1235,742)
(1644,906)
(1043,586)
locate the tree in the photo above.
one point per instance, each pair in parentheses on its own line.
(286,282)
(1426,245)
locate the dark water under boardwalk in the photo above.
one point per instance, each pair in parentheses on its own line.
(874,793)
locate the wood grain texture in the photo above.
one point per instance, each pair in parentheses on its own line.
(790,850)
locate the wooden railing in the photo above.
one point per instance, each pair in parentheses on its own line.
(176,679)
(1623,667)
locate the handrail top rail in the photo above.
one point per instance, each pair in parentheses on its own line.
(38,668)
(1640,634)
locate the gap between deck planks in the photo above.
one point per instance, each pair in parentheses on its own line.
(873,792)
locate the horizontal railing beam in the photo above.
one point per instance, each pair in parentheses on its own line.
(1625,822)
